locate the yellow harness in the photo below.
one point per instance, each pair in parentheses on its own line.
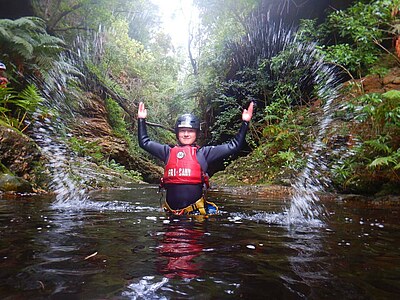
(198,206)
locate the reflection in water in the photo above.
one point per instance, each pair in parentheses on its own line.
(247,252)
(180,244)
(307,262)
(61,246)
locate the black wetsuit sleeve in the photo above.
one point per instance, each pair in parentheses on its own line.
(217,153)
(158,150)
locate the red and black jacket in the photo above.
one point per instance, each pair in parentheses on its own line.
(181,194)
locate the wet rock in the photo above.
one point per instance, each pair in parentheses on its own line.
(377,84)
(393,77)
(21,156)
(93,126)
(373,84)
(10,183)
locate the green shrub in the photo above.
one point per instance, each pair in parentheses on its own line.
(16,108)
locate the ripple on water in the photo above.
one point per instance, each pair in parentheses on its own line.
(274,219)
(121,206)
(145,288)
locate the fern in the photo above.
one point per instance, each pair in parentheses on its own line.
(379,144)
(22,46)
(26,41)
(17,107)
(31,98)
(382,161)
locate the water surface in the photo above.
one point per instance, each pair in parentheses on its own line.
(119,245)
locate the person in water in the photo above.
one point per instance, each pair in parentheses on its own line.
(186,164)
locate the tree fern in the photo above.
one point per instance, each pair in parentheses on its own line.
(26,41)
(22,46)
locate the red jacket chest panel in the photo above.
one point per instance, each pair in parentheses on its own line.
(182,166)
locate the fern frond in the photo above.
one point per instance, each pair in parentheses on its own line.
(30,98)
(5,34)
(24,48)
(32,24)
(378,145)
(382,161)
(6,23)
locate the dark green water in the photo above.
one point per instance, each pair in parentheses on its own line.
(246,252)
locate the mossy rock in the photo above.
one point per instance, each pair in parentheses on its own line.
(11,183)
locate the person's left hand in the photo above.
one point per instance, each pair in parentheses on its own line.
(248,113)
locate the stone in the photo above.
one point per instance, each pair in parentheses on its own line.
(20,154)
(11,183)
(372,84)
(93,126)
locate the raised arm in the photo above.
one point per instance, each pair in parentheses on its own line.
(216,153)
(154,148)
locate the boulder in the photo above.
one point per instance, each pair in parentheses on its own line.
(11,183)
(21,155)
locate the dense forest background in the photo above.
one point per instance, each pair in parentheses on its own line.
(77,69)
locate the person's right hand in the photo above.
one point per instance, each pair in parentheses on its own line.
(142,111)
(248,113)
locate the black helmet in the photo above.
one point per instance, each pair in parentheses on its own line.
(187,121)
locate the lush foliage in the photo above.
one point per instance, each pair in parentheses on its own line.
(17,108)
(285,72)
(376,159)
(356,42)
(240,52)
(269,65)
(70,18)
(25,46)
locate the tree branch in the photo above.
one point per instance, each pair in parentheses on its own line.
(192,60)
(160,126)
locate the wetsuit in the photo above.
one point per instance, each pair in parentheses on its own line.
(182,195)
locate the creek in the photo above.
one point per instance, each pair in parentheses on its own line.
(118,244)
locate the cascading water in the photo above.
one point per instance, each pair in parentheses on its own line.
(47,131)
(69,174)
(304,202)
(267,38)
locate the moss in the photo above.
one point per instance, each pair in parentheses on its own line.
(4,169)
(392,95)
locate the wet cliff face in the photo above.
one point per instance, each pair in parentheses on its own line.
(14,9)
(92,125)
(291,11)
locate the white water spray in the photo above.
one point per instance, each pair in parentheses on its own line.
(48,129)
(304,202)
(268,39)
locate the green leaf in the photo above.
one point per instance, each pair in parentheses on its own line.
(382,161)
